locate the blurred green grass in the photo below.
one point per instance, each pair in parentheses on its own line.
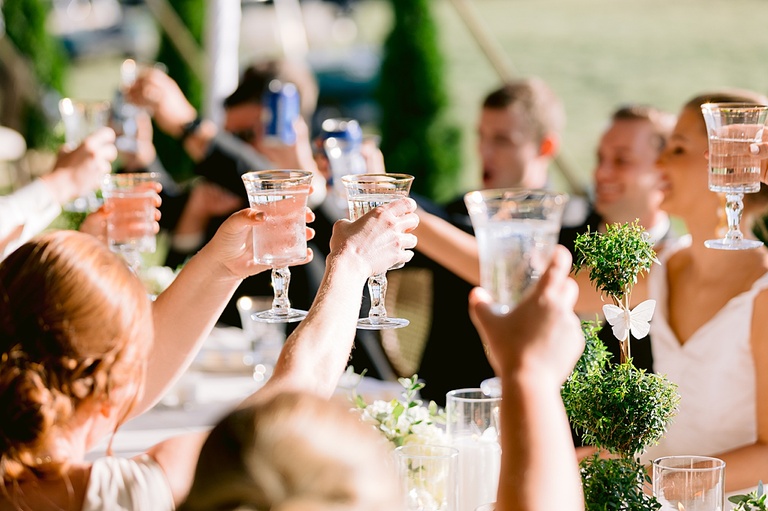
(598,54)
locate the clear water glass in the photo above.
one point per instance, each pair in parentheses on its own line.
(429,475)
(81,119)
(364,193)
(472,425)
(516,231)
(692,483)
(280,240)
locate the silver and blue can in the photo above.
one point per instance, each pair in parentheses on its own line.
(342,140)
(281,109)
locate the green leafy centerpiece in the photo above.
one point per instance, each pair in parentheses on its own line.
(617,407)
(753,501)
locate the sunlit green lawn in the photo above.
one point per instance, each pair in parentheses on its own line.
(598,54)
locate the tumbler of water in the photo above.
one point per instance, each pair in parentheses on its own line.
(516,233)
(472,424)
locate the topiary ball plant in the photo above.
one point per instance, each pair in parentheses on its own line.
(617,407)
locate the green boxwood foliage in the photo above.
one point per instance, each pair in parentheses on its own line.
(416,137)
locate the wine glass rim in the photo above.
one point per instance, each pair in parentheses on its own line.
(376,178)
(717,463)
(456,395)
(522,194)
(130,178)
(278,175)
(741,105)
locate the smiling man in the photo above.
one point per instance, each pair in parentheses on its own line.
(627,180)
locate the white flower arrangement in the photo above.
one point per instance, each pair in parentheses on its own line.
(405,421)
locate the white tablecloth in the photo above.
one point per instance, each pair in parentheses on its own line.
(201,397)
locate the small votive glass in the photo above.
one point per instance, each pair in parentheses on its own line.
(428,474)
(689,483)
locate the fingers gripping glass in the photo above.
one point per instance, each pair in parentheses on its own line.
(81,119)
(280,240)
(365,192)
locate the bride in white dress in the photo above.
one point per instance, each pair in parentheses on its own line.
(710,331)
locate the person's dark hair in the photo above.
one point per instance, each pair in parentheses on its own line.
(256,77)
(253,84)
(662,122)
(535,101)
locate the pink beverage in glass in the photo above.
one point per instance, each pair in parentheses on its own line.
(732,168)
(130,204)
(281,239)
(132,216)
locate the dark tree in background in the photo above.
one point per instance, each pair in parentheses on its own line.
(416,137)
(170,151)
(25,25)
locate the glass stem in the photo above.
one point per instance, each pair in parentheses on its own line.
(281,279)
(377,288)
(132,258)
(733,208)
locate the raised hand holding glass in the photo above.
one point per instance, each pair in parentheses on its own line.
(365,192)
(280,240)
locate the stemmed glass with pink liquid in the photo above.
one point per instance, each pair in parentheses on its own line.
(365,192)
(733,170)
(280,240)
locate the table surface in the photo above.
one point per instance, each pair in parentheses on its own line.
(202,396)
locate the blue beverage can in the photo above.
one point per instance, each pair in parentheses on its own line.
(348,130)
(281,109)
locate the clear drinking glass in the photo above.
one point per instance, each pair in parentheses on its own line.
(82,118)
(516,232)
(429,475)
(472,425)
(129,201)
(365,192)
(733,170)
(692,483)
(280,240)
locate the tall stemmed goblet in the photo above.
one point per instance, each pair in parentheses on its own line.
(82,118)
(733,170)
(280,240)
(516,232)
(365,192)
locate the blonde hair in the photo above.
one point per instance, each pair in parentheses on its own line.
(74,324)
(294,451)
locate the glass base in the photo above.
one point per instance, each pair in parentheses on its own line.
(279,316)
(726,244)
(382,323)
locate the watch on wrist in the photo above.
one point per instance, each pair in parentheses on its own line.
(189,128)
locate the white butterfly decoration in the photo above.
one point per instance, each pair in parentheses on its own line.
(622,321)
